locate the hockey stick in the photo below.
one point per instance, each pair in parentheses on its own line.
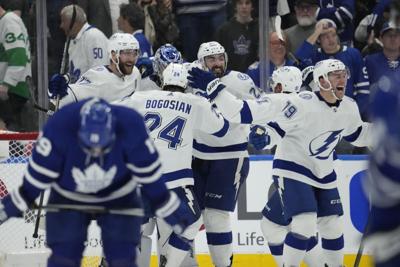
(62,71)
(34,102)
(92,209)
(361,247)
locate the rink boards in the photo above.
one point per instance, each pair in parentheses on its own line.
(249,245)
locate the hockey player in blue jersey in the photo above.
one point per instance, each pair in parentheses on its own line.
(173,117)
(310,125)
(221,165)
(383,184)
(92,154)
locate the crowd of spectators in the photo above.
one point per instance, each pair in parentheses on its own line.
(312,30)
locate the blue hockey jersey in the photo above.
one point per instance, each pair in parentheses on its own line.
(378,66)
(383,183)
(58,162)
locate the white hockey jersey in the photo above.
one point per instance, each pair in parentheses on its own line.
(234,143)
(102,82)
(310,129)
(172,118)
(89,49)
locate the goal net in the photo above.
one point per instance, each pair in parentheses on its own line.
(17,245)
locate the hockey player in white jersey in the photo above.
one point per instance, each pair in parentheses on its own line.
(112,82)
(172,118)
(164,55)
(94,155)
(274,226)
(311,124)
(88,45)
(221,165)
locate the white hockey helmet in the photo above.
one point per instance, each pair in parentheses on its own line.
(209,49)
(289,77)
(324,67)
(122,41)
(176,75)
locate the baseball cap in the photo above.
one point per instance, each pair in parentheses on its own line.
(388,26)
(310,2)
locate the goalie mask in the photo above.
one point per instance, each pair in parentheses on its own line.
(175,78)
(97,129)
(126,46)
(325,68)
(216,50)
(288,77)
(165,55)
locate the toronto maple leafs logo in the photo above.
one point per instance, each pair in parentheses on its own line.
(93,178)
(323,145)
(74,73)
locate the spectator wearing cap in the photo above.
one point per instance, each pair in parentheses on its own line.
(306,16)
(330,47)
(386,62)
(342,13)
(277,55)
(239,36)
(131,20)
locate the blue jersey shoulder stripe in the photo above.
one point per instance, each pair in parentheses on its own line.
(277,128)
(245,113)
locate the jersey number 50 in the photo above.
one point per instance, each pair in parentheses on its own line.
(171,133)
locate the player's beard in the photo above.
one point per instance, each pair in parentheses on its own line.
(125,68)
(306,21)
(218,71)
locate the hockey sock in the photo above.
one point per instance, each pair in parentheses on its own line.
(177,249)
(219,236)
(294,249)
(220,246)
(313,254)
(277,252)
(333,251)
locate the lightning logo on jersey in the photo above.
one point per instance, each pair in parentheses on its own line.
(323,145)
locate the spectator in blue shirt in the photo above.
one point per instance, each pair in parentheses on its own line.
(131,20)
(326,35)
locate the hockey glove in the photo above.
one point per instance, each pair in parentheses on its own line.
(58,86)
(12,206)
(259,137)
(175,213)
(145,66)
(205,81)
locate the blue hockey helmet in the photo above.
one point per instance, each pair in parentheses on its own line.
(97,128)
(165,55)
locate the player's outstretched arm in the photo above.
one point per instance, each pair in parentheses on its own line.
(232,108)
